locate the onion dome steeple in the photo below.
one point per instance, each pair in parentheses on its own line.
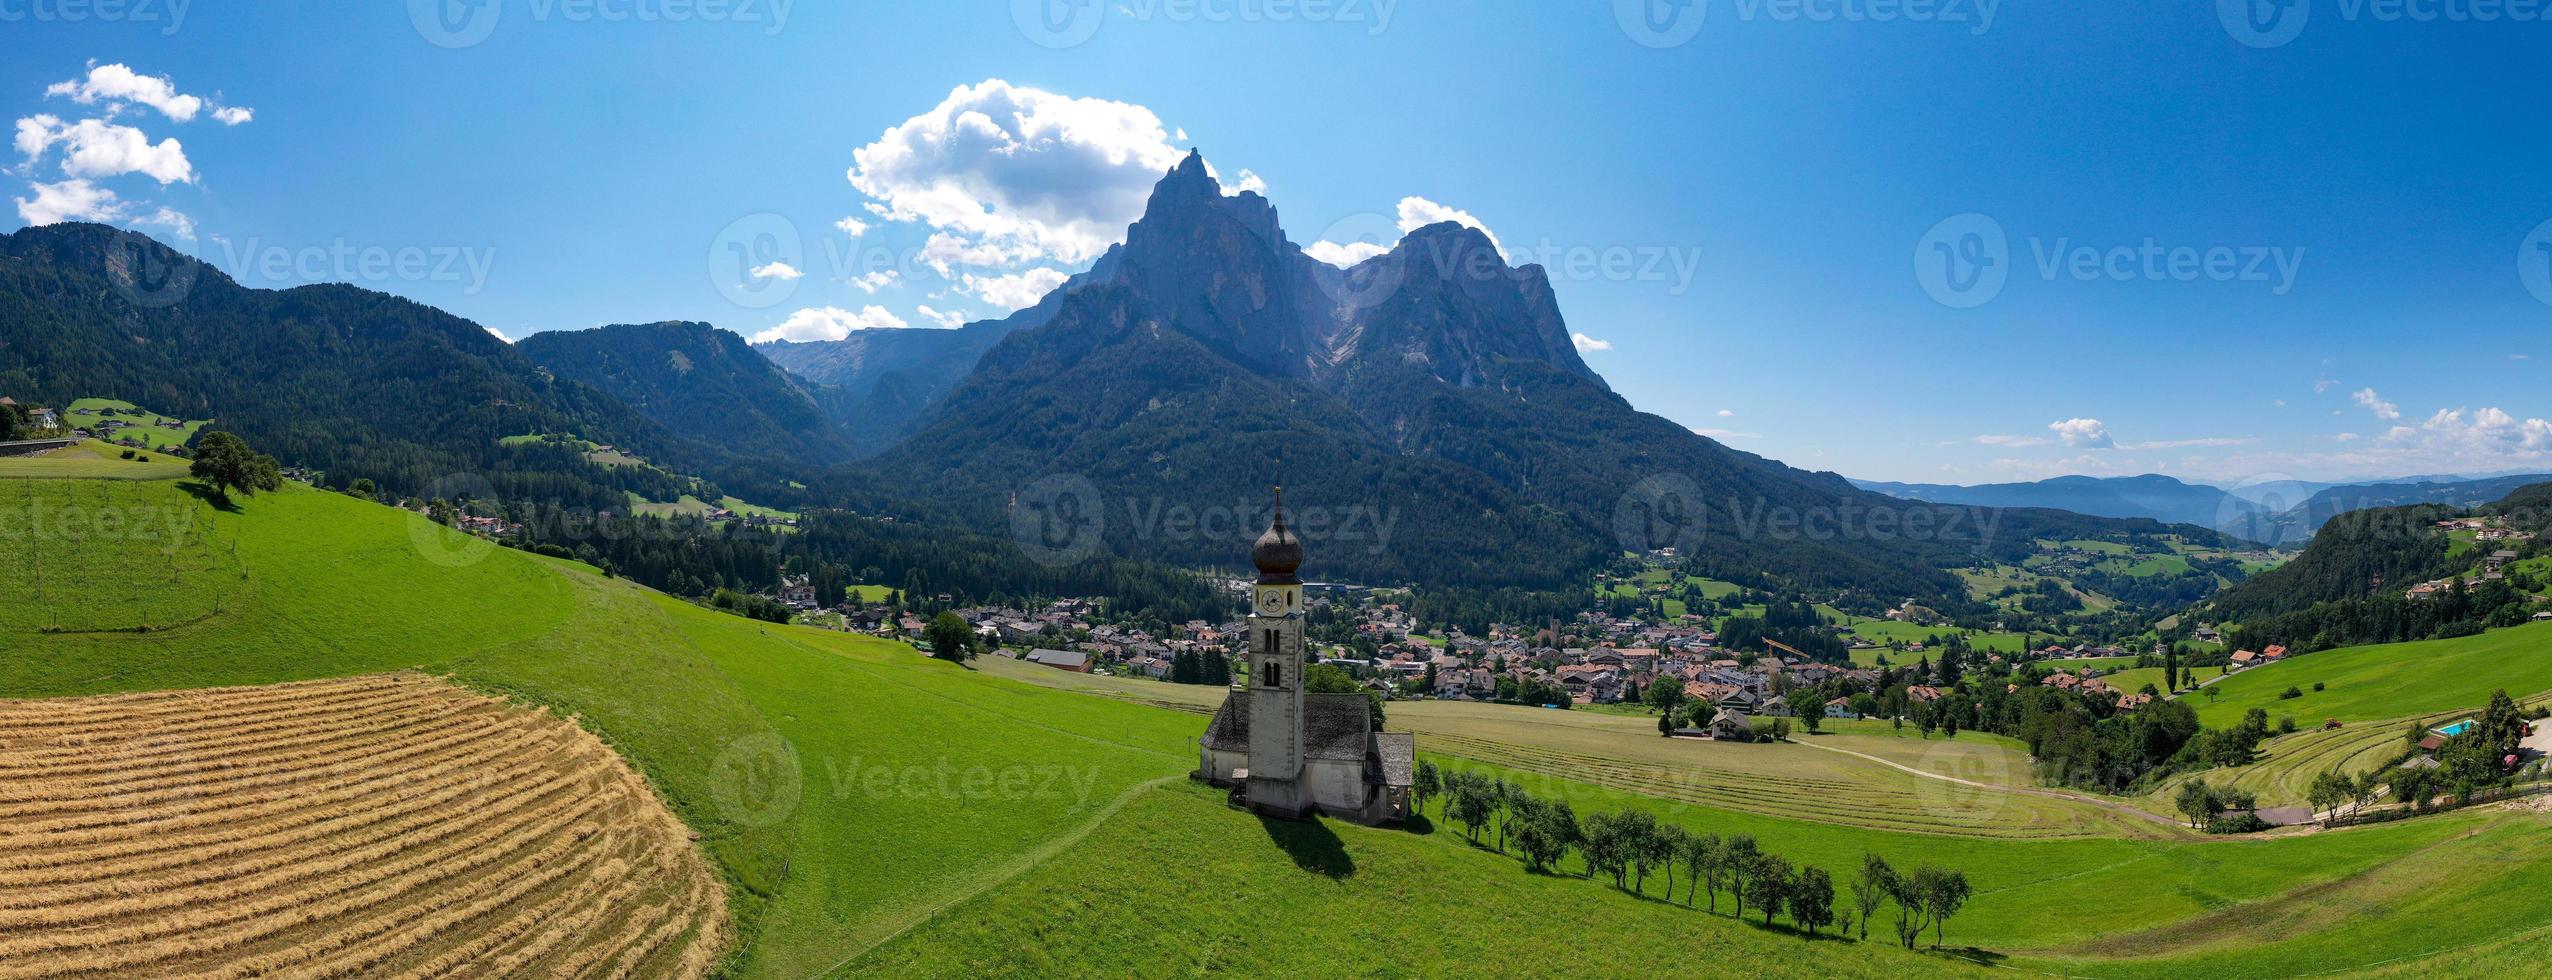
(1278,553)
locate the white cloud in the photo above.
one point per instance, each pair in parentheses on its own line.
(1016,290)
(776,270)
(2083,434)
(1344,255)
(951,319)
(1418,212)
(1585,343)
(499,335)
(1727,413)
(1026,171)
(231,115)
(871,282)
(176,223)
(116,84)
(2518,357)
(829,323)
(2324,385)
(70,200)
(1249,182)
(2372,402)
(1724,435)
(2346,437)
(97,148)
(2013,442)
(851,225)
(943,252)
(2190,443)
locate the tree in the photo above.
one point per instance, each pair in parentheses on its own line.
(1768,884)
(1740,867)
(1639,846)
(1812,899)
(1875,883)
(950,638)
(225,463)
(2330,790)
(1809,706)
(1696,858)
(1472,799)
(1425,785)
(2501,729)
(1545,832)
(1664,694)
(363,487)
(1671,841)
(1602,847)
(2197,802)
(1943,893)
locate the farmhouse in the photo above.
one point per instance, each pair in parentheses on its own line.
(1284,751)
(1071,660)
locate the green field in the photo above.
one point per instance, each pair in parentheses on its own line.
(690,506)
(91,460)
(151,429)
(931,818)
(2394,680)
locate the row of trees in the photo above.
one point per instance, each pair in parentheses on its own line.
(1632,846)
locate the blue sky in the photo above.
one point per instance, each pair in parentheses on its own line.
(2211,249)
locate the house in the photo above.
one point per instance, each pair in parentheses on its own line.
(2273,652)
(2244,658)
(1841,708)
(1924,695)
(1732,724)
(1071,660)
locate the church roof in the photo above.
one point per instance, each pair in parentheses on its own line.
(1336,727)
(1399,752)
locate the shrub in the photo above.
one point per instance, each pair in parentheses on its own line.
(2286,725)
(2317,687)
(2291,692)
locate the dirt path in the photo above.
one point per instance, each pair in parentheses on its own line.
(2111,805)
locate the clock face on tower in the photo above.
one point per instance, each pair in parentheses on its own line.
(1271,602)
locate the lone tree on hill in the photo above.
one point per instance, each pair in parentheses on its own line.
(225,463)
(949,637)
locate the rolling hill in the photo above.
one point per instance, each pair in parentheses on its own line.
(701,382)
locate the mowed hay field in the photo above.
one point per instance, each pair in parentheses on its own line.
(379,826)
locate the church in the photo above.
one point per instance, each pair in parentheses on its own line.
(1288,753)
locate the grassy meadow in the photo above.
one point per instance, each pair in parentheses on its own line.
(2394,680)
(153,430)
(874,811)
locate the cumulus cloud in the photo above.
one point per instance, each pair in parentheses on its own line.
(231,115)
(176,223)
(2372,402)
(116,85)
(852,225)
(1248,182)
(1724,435)
(70,200)
(1344,254)
(1418,212)
(1727,413)
(1016,290)
(871,282)
(946,318)
(829,323)
(776,270)
(2012,441)
(2083,434)
(1585,343)
(97,148)
(1023,171)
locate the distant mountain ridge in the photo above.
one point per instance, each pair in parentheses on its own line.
(1434,385)
(2271,517)
(699,381)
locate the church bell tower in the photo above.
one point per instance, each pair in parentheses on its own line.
(1276,669)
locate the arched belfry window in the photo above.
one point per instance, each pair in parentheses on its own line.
(1275,674)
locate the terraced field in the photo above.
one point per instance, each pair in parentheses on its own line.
(101,555)
(390,825)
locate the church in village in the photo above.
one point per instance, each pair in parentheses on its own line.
(1288,753)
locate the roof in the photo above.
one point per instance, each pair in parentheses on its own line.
(1335,726)
(1058,658)
(1399,753)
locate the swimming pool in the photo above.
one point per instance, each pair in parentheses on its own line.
(2457,728)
